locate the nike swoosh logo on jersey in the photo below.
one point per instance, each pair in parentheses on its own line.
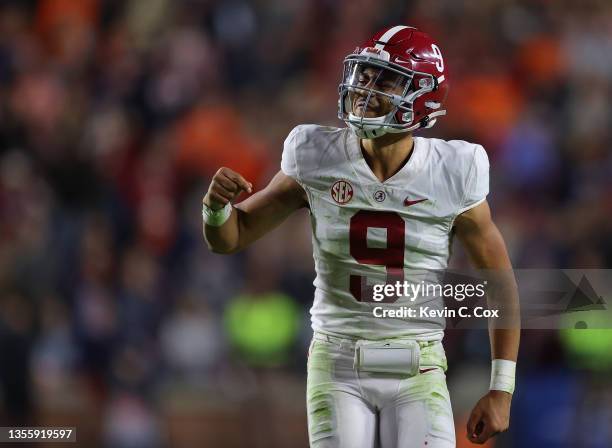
(408,203)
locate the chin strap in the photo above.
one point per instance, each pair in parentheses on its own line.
(375,127)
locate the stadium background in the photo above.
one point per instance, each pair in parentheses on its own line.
(114,115)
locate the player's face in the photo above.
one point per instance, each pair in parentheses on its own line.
(368,103)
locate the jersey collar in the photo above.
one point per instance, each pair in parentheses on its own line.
(400,179)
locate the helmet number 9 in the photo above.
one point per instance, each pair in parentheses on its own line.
(438,56)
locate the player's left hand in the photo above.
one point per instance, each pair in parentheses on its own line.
(490,416)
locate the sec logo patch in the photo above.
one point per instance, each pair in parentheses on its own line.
(342,192)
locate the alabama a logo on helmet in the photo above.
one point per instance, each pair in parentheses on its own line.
(342,192)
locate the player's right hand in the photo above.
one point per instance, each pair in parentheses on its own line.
(224,187)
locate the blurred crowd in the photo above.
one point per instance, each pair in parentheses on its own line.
(114,115)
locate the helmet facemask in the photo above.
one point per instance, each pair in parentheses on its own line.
(377,97)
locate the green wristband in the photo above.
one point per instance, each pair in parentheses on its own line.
(216,218)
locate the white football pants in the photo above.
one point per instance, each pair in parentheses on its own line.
(351,409)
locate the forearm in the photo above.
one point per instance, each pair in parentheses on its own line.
(505,343)
(224,239)
(504,330)
(255,216)
(246,225)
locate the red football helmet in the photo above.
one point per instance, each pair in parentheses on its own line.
(394,82)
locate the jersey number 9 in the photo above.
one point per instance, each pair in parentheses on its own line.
(391,257)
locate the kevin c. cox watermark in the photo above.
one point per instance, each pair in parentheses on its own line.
(414,291)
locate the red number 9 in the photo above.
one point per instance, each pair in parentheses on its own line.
(391,257)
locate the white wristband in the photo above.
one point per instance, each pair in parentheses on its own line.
(216,218)
(502,375)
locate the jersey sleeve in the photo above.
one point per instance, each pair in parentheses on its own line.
(311,150)
(289,157)
(477,185)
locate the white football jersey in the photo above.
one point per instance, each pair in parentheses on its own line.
(367,232)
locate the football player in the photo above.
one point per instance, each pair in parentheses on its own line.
(381,201)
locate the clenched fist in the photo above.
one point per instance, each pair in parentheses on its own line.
(490,416)
(224,187)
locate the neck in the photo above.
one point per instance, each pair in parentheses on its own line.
(387,154)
